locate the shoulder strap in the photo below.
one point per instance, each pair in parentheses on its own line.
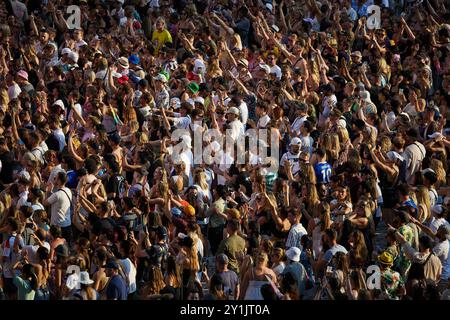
(70,200)
(428,258)
(420,149)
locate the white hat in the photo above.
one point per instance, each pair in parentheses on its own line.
(428,170)
(66,51)
(233,110)
(59,103)
(293,254)
(84,278)
(436,135)
(191,101)
(200,100)
(296,142)
(160,77)
(175,102)
(394,156)
(24,175)
(269,6)
(73,56)
(264,67)
(365,96)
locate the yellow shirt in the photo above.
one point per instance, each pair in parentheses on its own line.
(161,38)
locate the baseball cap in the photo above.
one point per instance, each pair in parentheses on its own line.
(134,59)
(160,77)
(66,51)
(233,110)
(59,103)
(111,265)
(73,56)
(394,156)
(264,67)
(296,142)
(356,54)
(200,100)
(189,210)
(194,87)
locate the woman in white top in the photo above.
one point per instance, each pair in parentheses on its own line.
(318,225)
(202,186)
(277,261)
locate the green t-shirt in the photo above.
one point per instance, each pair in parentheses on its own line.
(24,290)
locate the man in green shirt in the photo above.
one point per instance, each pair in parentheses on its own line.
(233,245)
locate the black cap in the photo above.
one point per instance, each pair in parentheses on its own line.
(111,265)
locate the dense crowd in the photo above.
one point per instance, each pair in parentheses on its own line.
(104,195)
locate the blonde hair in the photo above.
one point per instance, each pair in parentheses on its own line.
(386,144)
(200,179)
(423,198)
(324,213)
(335,145)
(310,174)
(343,135)
(438,167)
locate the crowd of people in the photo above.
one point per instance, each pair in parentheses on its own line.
(102,197)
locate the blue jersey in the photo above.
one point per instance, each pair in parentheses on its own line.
(323,172)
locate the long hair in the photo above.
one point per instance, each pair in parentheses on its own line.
(155,282)
(312,196)
(216,287)
(28,272)
(173,271)
(438,167)
(360,251)
(423,197)
(325,219)
(200,179)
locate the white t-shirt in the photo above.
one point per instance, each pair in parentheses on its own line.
(436,223)
(60,207)
(263,122)
(237,129)
(32,251)
(328,102)
(441,250)
(243,110)
(292,159)
(130,270)
(277,70)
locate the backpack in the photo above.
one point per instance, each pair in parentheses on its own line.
(120,191)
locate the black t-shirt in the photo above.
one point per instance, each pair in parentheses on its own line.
(112,185)
(9,164)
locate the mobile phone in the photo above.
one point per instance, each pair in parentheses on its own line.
(400,91)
